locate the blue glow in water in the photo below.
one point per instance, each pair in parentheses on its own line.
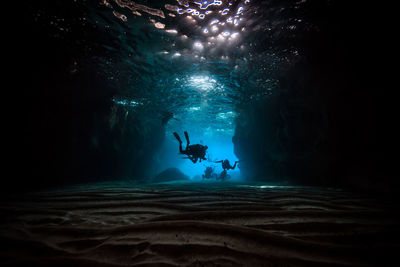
(208,120)
(220,147)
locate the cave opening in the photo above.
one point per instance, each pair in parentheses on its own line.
(258,82)
(288,89)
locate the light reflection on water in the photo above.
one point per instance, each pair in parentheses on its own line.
(166,58)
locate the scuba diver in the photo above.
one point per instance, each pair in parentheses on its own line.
(209,173)
(223,175)
(226,165)
(194,152)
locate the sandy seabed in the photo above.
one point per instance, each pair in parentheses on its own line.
(197,224)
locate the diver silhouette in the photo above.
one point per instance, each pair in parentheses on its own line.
(209,173)
(226,165)
(194,152)
(223,175)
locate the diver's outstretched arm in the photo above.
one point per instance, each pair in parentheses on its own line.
(234,165)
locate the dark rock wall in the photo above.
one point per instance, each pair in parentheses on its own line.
(60,123)
(69,131)
(324,125)
(311,130)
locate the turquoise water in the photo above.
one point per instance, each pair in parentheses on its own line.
(196,64)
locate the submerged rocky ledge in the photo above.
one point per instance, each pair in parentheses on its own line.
(197,224)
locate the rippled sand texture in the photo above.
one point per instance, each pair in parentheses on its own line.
(197,224)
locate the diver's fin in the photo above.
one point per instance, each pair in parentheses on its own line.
(177,137)
(187,137)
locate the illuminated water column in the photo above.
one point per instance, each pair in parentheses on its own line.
(208,122)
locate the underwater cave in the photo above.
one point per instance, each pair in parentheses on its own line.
(286,90)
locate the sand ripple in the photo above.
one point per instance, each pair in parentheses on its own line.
(211,224)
